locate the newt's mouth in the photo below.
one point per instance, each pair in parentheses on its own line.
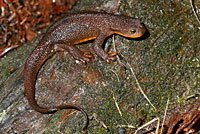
(138,34)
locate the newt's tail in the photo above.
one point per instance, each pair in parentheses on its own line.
(32,66)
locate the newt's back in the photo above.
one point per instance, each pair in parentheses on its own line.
(78,28)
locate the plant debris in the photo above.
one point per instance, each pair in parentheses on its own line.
(185,121)
(21,20)
(182,120)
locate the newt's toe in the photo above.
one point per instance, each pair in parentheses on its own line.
(86,56)
(111,57)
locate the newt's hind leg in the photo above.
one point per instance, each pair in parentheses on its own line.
(83,56)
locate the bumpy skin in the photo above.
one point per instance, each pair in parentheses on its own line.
(72,30)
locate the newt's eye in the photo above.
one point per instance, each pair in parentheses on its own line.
(132,31)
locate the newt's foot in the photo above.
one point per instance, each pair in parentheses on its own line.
(111,57)
(86,56)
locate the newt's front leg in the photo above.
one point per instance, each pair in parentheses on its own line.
(83,56)
(97,47)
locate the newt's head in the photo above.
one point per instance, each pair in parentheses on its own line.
(129,27)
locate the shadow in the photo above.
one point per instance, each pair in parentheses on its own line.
(143,37)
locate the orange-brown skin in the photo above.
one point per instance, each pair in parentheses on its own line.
(72,30)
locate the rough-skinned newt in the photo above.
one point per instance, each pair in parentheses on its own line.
(72,30)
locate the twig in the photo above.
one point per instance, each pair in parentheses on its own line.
(138,84)
(148,123)
(165,115)
(120,113)
(3,51)
(104,125)
(94,116)
(191,3)
(158,125)
(115,74)
(192,96)
(118,59)
(126,126)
